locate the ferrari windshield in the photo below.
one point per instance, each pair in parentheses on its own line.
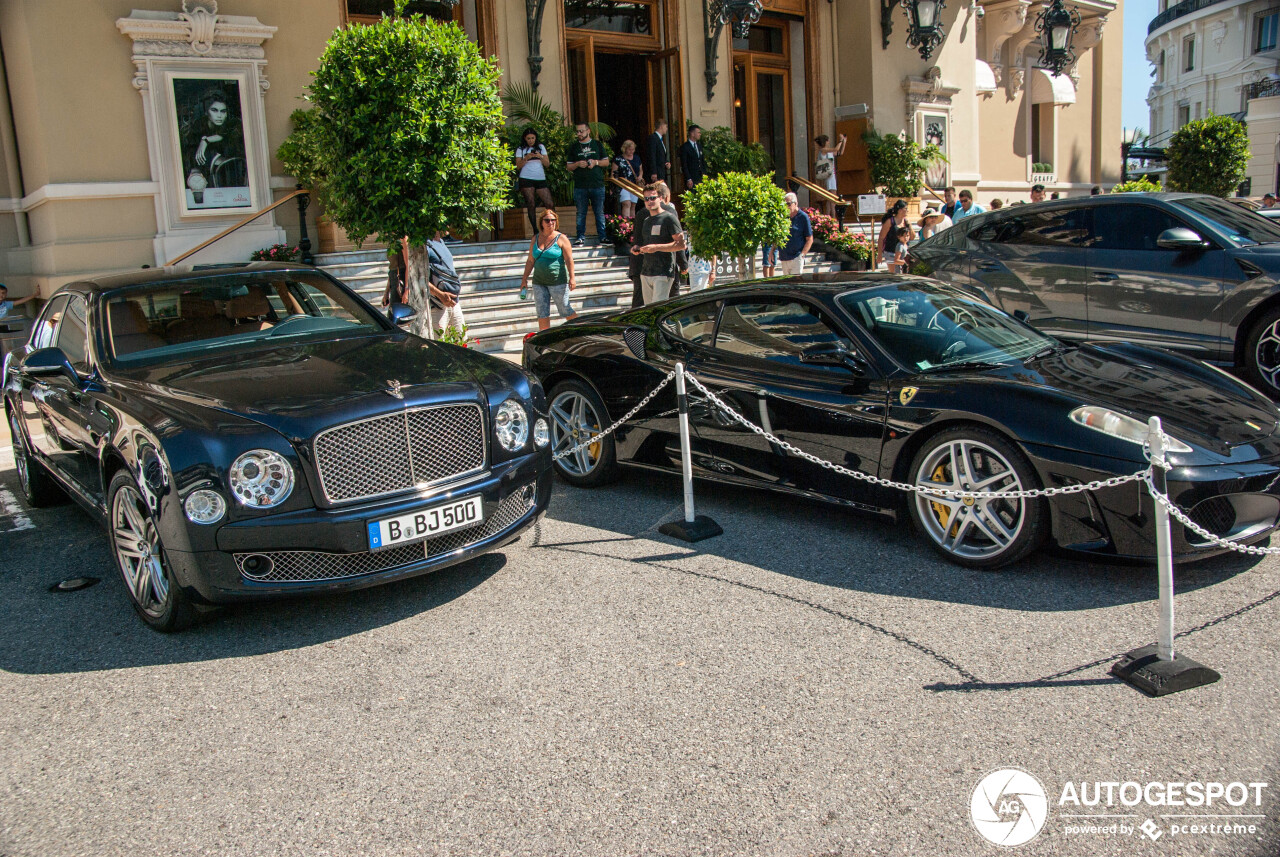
(187,318)
(928,327)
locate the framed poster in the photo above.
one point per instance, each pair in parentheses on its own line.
(934,128)
(212,150)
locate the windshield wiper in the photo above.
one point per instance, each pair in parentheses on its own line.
(1050,350)
(965,364)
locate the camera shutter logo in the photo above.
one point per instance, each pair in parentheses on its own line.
(1009,807)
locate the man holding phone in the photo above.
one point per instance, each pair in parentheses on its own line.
(587,162)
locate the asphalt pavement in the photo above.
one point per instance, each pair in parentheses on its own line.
(813,682)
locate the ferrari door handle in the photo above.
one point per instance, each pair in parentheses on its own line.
(989,267)
(1105,276)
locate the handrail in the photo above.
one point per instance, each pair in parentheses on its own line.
(224,233)
(627,185)
(935,194)
(823,193)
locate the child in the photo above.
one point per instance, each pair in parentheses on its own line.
(898,265)
(770,259)
(702,273)
(6,305)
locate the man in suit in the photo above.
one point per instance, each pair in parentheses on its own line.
(656,157)
(691,161)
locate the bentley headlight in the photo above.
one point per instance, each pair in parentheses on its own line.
(1118,425)
(205,507)
(511,425)
(541,433)
(261,479)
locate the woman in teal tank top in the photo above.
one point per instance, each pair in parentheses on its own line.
(551,264)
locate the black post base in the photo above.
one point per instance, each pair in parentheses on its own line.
(701,528)
(1143,669)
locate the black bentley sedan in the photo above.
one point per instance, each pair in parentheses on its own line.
(909,379)
(262,430)
(1188,272)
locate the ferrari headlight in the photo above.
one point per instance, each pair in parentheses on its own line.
(511,425)
(205,507)
(261,479)
(1120,426)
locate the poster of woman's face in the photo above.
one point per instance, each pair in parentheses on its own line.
(215,172)
(935,134)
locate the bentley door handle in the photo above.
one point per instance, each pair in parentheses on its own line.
(989,267)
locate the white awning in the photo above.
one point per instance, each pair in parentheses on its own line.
(1047,89)
(984,79)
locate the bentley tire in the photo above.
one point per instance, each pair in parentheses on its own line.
(970,531)
(38,487)
(576,414)
(1262,354)
(141,560)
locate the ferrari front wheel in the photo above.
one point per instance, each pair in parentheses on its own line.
(972,531)
(587,459)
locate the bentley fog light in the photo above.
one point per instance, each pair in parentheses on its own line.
(205,507)
(1120,426)
(261,479)
(511,425)
(541,433)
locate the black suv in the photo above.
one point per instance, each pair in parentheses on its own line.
(1182,271)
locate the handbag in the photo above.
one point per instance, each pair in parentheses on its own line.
(442,279)
(823,169)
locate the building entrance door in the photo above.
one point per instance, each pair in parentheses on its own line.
(762,92)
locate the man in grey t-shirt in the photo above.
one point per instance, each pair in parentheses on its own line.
(658,244)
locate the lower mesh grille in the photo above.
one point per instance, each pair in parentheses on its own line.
(1216,515)
(288,566)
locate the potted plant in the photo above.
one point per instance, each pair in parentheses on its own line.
(852,250)
(732,214)
(619,230)
(898,166)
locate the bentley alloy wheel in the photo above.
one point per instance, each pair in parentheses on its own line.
(38,487)
(980,533)
(140,557)
(577,414)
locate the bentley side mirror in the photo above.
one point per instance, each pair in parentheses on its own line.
(48,363)
(834,354)
(402,314)
(1181,238)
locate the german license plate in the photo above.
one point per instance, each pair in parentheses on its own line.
(425,523)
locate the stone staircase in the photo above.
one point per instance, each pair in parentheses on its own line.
(490,274)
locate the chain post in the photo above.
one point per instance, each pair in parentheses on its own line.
(1164,541)
(694,527)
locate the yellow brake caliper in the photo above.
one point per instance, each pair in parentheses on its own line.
(943,513)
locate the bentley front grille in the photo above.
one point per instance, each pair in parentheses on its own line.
(311,566)
(398,452)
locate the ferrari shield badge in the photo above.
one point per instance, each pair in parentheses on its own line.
(907,394)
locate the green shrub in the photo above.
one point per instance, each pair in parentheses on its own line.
(1041,167)
(1141,185)
(406,124)
(1208,156)
(732,214)
(725,153)
(300,154)
(897,164)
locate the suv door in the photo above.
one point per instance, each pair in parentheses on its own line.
(34,419)
(825,410)
(67,407)
(1034,262)
(1142,293)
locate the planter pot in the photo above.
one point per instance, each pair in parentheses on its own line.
(332,238)
(913,206)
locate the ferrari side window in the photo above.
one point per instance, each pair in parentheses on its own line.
(778,329)
(696,324)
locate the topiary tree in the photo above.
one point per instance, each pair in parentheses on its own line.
(406,124)
(897,164)
(1140,185)
(1208,155)
(732,214)
(725,153)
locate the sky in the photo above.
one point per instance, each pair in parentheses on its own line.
(1137,71)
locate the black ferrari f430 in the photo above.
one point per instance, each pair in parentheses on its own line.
(909,379)
(262,430)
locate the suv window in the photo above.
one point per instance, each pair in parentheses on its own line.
(776,329)
(1056,228)
(43,330)
(73,334)
(1130,227)
(696,324)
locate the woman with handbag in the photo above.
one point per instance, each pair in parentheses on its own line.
(824,167)
(551,263)
(437,296)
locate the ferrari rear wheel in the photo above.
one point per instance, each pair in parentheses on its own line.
(970,531)
(577,415)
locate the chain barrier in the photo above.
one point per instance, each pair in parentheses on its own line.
(631,413)
(941,493)
(1185,519)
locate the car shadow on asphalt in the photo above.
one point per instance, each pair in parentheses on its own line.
(823,544)
(43,632)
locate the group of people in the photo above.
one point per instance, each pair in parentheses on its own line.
(587,162)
